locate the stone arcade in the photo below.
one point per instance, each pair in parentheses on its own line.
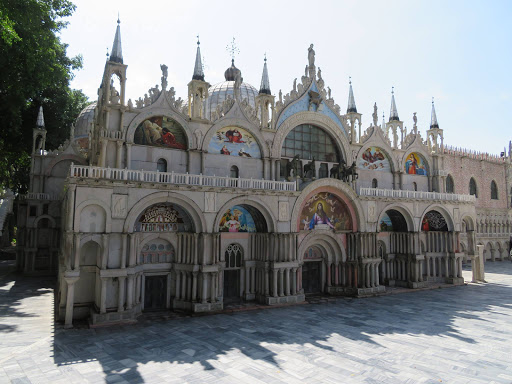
(234,194)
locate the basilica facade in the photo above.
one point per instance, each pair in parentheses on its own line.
(235,194)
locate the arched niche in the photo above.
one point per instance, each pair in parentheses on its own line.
(416,164)
(242,218)
(328,246)
(161,131)
(392,221)
(325,210)
(234,141)
(265,220)
(166,197)
(93,218)
(374,158)
(164,217)
(434,220)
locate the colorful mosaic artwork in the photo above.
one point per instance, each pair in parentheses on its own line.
(434,221)
(161,131)
(237,219)
(415,164)
(374,159)
(164,218)
(234,141)
(325,210)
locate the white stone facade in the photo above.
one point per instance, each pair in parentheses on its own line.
(150,217)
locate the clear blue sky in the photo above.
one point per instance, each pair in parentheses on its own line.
(459,52)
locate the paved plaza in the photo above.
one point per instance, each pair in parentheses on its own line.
(450,335)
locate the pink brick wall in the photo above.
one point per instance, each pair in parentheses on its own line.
(463,168)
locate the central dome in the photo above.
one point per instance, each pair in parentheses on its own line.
(222,91)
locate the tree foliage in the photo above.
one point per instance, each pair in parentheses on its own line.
(34,71)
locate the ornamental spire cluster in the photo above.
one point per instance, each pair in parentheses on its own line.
(117,51)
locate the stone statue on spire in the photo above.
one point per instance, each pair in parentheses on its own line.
(311,56)
(375,115)
(164,68)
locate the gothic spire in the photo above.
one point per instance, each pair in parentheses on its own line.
(393,114)
(198,67)
(351,101)
(117,52)
(265,83)
(40,118)
(433,117)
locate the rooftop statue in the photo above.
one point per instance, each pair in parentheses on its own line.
(311,56)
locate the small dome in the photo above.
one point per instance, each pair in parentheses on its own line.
(220,92)
(84,120)
(232,72)
(83,124)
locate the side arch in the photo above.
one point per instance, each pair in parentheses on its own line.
(406,213)
(231,122)
(252,201)
(384,147)
(447,216)
(166,197)
(50,219)
(167,236)
(130,131)
(74,158)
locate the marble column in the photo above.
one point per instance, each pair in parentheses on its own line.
(274,282)
(70,301)
(103,295)
(120,302)
(212,287)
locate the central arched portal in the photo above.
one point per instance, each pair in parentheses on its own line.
(312,279)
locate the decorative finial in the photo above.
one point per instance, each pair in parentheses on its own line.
(432,100)
(265,57)
(198,40)
(118,19)
(107,53)
(232,49)
(350,80)
(392,90)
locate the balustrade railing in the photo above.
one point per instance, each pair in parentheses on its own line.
(38,196)
(421,195)
(90,172)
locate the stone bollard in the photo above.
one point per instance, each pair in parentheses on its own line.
(477,265)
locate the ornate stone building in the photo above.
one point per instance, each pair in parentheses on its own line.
(235,194)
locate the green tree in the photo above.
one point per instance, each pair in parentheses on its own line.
(34,71)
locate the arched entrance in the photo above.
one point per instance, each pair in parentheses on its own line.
(233,259)
(312,279)
(242,228)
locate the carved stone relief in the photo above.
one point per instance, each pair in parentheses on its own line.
(284,211)
(119,206)
(209,201)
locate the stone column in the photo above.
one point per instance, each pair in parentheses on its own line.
(247,280)
(294,281)
(119,152)
(212,287)
(121,284)
(103,295)
(168,293)
(204,296)
(329,274)
(274,282)
(253,278)
(77,247)
(178,285)
(194,287)
(128,164)
(70,301)
(124,239)
(281,282)
(287,281)
(183,285)
(103,153)
(129,301)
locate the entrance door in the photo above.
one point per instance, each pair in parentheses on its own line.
(231,285)
(154,292)
(312,277)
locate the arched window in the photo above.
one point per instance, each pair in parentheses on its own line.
(233,256)
(161,165)
(375,183)
(233,172)
(494,191)
(414,186)
(472,187)
(308,142)
(449,184)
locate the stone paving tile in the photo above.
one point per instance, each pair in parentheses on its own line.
(450,335)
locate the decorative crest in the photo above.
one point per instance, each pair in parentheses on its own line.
(232,49)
